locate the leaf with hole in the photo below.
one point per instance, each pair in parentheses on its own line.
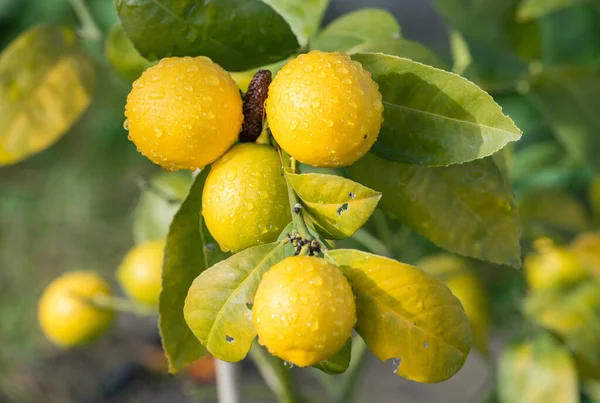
(216,308)
(537,371)
(466,208)
(190,250)
(406,315)
(46,83)
(337,206)
(434,117)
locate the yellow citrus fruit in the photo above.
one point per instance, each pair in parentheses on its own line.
(468,288)
(245,200)
(140,272)
(552,266)
(184,113)
(64,315)
(304,310)
(324,109)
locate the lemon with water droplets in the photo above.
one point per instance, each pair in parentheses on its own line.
(140,272)
(65,316)
(184,112)
(245,200)
(304,310)
(553,266)
(324,109)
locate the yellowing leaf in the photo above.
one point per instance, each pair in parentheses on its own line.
(45,85)
(468,288)
(337,206)
(406,315)
(538,371)
(574,315)
(587,247)
(218,307)
(465,208)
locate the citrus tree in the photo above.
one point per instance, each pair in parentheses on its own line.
(314,151)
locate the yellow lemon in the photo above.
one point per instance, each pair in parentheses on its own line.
(64,315)
(245,200)
(184,113)
(304,310)
(324,109)
(140,272)
(552,266)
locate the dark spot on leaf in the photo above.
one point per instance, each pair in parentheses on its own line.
(229,339)
(210,247)
(426,345)
(365,136)
(297,208)
(249,305)
(342,208)
(351,195)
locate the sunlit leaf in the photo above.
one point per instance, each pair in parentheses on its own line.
(122,56)
(236,34)
(190,250)
(574,315)
(218,307)
(339,362)
(336,205)
(461,55)
(587,248)
(530,9)
(45,85)
(537,371)
(158,204)
(464,208)
(468,288)
(434,117)
(406,315)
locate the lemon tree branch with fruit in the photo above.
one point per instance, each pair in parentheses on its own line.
(278,246)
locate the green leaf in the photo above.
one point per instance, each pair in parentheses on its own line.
(465,208)
(356,31)
(187,254)
(158,204)
(461,55)
(217,307)
(537,371)
(371,30)
(337,206)
(568,105)
(574,315)
(434,117)
(531,9)
(303,16)
(122,56)
(406,315)
(339,362)
(236,34)
(46,83)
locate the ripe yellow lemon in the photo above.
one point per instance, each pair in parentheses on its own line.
(64,315)
(140,272)
(552,266)
(324,109)
(245,200)
(184,113)
(304,310)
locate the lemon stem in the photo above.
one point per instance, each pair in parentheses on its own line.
(120,305)
(89,29)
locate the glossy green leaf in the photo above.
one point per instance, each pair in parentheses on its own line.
(537,371)
(465,208)
(158,204)
(303,16)
(46,83)
(461,55)
(189,251)
(568,105)
(122,56)
(338,206)
(434,117)
(339,362)
(218,304)
(406,315)
(236,34)
(530,9)
(572,314)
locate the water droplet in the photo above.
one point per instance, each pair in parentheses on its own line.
(315,103)
(308,68)
(426,345)
(231,174)
(288,364)
(126,124)
(188,88)
(158,131)
(396,363)
(159,93)
(249,204)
